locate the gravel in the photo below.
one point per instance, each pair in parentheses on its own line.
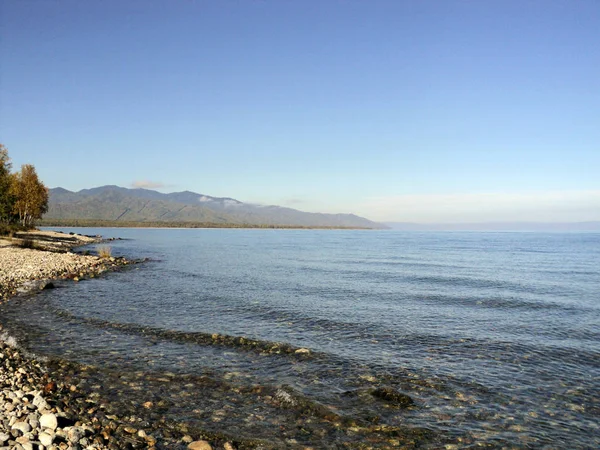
(40,407)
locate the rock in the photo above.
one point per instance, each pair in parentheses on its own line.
(200,445)
(48,421)
(4,437)
(228,446)
(34,422)
(74,434)
(40,403)
(22,440)
(391,395)
(45,439)
(302,351)
(48,285)
(23,427)
(50,387)
(285,398)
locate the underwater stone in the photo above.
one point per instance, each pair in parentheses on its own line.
(393,396)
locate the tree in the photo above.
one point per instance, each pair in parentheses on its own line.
(6,198)
(31,196)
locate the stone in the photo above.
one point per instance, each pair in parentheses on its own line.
(48,421)
(200,445)
(391,395)
(302,351)
(50,387)
(45,439)
(40,403)
(74,434)
(22,440)
(23,427)
(34,422)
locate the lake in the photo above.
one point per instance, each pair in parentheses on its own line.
(284,336)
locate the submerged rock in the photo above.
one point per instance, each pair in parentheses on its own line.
(285,398)
(200,445)
(393,396)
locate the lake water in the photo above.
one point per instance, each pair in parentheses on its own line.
(495,336)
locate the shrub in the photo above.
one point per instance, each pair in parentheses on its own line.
(26,243)
(10,229)
(104,251)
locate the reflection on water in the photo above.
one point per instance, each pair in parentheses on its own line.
(495,336)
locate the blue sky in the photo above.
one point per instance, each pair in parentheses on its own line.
(424,111)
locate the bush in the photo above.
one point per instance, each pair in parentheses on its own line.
(104,251)
(10,229)
(26,243)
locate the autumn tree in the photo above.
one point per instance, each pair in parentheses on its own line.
(6,197)
(31,196)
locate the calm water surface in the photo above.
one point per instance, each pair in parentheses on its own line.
(496,336)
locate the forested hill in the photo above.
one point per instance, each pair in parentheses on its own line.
(113,203)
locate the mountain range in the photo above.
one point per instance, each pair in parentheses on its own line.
(118,204)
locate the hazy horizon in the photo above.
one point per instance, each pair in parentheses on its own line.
(397,111)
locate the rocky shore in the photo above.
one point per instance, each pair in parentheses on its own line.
(30,260)
(43,403)
(44,406)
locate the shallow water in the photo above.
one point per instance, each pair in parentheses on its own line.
(496,336)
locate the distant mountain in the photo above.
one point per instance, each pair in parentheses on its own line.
(496,226)
(114,203)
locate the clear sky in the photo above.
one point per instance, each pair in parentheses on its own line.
(423,111)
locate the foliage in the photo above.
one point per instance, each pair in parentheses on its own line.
(6,198)
(23,197)
(10,229)
(31,195)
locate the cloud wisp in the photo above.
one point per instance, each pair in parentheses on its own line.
(146,184)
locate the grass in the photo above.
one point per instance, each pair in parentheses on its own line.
(104,251)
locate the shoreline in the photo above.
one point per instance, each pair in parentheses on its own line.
(31,261)
(45,402)
(190,225)
(50,402)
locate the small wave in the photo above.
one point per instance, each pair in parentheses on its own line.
(9,340)
(200,338)
(497,303)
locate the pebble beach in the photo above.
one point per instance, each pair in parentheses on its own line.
(45,403)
